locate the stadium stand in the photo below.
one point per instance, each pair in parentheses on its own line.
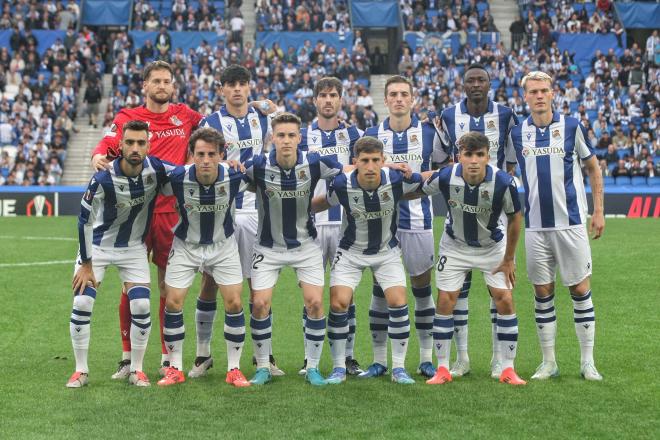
(613,87)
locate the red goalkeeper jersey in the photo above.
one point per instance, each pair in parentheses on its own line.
(168,134)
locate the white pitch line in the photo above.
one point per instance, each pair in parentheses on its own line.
(32,237)
(37,263)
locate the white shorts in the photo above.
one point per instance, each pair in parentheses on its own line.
(328,240)
(568,248)
(220,260)
(131,263)
(417,250)
(306,260)
(456,260)
(246,224)
(386,267)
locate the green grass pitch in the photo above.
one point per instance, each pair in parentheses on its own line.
(38,359)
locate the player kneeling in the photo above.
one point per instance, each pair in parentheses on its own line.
(115,213)
(476,194)
(369,195)
(204,238)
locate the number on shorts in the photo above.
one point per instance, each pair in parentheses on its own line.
(441,263)
(256,259)
(336,260)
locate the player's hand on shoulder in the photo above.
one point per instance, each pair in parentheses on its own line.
(100,162)
(403,167)
(236,165)
(265,107)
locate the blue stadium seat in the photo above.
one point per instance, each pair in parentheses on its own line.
(611,167)
(653,181)
(622,180)
(638,181)
(656,160)
(573,106)
(494,84)
(592,115)
(608,181)
(623,153)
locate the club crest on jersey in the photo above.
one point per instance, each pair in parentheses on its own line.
(485,194)
(302,175)
(556,134)
(386,197)
(222,191)
(176,121)
(149,180)
(341,136)
(414,140)
(452,203)
(491,125)
(254,123)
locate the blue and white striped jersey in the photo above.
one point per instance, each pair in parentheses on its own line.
(205,212)
(495,124)
(370,221)
(116,210)
(245,139)
(413,146)
(548,157)
(474,212)
(284,197)
(338,144)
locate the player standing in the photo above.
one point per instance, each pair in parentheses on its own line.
(407,140)
(369,196)
(246,132)
(204,237)
(476,113)
(170,126)
(285,181)
(115,216)
(328,137)
(476,194)
(549,148)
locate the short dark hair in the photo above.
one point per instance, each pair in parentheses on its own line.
(398,79)
(473,141)
(235,73)
(475,66)
(135,125)
(208,135)
(285,118)
(328,82)
(367,144)
(156,65)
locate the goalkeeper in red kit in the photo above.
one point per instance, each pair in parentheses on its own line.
(170,127)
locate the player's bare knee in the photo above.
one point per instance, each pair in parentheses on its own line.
(421,280)
(580,289)
(233,304)
(314,307)
(544,290)
(446,302)
(339,305)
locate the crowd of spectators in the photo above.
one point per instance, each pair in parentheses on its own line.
(223,18)
(303,15)
(447,16)
(38,91)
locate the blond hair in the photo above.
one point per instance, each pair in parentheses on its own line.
(536,75)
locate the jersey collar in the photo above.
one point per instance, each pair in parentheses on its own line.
(414,121)
(555,118)
(464,108)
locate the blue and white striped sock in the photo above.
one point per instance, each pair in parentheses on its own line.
(350,338)
(585,325)
(315,335)
(140,324)
(461,321)
(338,329)
(234,338)
(424,312)
(493,326)
(79,326)
(546,325)
(304,321)
(174,332)
(261,339)
(378,320)
(204,318)
(443,330)
(507,334)
(398,331)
